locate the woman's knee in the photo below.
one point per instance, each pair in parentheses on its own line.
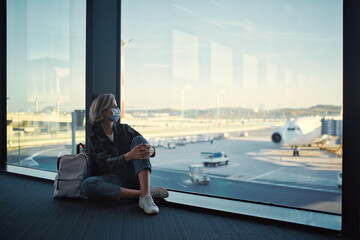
(138,140)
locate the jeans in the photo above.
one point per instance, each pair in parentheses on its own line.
(108,186)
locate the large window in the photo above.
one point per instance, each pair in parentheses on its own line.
(243,99)
(45,79)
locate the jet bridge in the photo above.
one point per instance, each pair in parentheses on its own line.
(331,127)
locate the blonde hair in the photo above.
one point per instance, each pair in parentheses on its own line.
(100,104)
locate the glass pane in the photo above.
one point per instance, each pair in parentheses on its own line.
(242,99)
(45,79)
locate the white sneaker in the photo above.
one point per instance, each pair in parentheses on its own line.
(158,192)
(148,205)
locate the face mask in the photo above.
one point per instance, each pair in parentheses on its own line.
(116,114)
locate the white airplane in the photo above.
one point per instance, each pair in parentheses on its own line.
(301,131)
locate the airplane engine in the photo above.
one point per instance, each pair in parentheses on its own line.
(276,137)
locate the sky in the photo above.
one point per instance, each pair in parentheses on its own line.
(183,54)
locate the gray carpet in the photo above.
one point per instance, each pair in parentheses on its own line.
(28,211)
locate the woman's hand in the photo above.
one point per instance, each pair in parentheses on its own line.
(141,151)
(152,151)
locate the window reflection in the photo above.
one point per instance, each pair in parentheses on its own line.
(185,52)
(221,65)
(45,79)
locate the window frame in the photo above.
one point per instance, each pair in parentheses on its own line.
(3,95)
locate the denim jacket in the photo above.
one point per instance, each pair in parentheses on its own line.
(105,154)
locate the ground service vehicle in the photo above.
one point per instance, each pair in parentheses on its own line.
(197,174)
(214,159)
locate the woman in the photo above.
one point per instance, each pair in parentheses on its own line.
(121,159)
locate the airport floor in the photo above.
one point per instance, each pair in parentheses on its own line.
(28,211)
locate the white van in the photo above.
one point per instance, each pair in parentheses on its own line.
(214,159)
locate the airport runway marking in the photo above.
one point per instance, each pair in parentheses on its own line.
(232,165)
(40,152)
(171,162)
(170,170)
(296,186)
(264,174)
(237,177)
(153,175)
(183,185)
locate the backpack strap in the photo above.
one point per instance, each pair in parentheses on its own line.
(58,163)
(78,147)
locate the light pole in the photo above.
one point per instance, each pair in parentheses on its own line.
(218,102)
(183,98)
(18,130)
(122,94)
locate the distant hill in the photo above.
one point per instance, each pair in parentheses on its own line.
(240,113)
